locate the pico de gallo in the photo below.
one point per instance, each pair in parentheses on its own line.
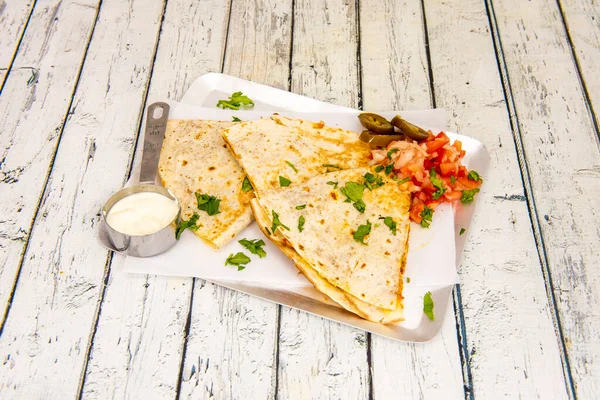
(431,169)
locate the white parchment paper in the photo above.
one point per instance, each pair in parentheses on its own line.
(431,258)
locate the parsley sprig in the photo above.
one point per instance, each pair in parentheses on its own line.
(255,246)
(190,224)
(236,100)
(239,260)
(208,203)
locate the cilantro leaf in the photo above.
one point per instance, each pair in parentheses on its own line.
(474,176)
(452,179)
(372,181)
(246,185)
(301,207)
(236,119)
(353,191)
(389,222)
(360,206)
(361,232)
(292,166)
(207,203)
(428,306)
(462,230)
(392,151)
(389,168)
(401,181)
(283,181)
(438,183)
(408,279)
(426,216)
(332,166)
(468,195)
(190,224)
(334,184)
(236,100)
(254,246)
(239,260)
(379,168)
(276,222)
(301,222)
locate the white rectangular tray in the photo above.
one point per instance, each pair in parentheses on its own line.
(210,88)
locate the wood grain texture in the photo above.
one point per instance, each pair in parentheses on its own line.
(232,342)
(139,343)
(395,76)
(582,18)
(319,358)
(32,113)
(47,333)
(13,18)
(557,140)
(513,348)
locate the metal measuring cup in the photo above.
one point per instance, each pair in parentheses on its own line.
(162,240)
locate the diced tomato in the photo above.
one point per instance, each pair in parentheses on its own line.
(415,211)
(454,195)
(432,203)
(448,169)
(467,184)
(435,145)
(457,145)
(431,136)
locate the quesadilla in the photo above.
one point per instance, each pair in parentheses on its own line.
(354,253)
(195,160)
(278,150)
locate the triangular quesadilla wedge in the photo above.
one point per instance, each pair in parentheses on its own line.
(361,254)
(195,159)
(276,148)
(346,300)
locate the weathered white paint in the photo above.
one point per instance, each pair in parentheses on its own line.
(396,77)
(31,116)
(55,306)
(13,17)
(583,22)
(139,343)
(320,358)
(232,342)
(513,348)
(563,159)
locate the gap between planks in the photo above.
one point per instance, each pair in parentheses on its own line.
(529,196)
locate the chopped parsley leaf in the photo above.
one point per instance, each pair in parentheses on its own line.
(190,224)
(301,222)
(254,246)
(301,207)
(468,195)
(276,222)
(235,119)
(379,168)
(283,181)
(372,181)
(207,203)
(332,183)
(292,166)
(426,216)
(389,168)
(462,230)
(236,100)
(246,185)
(361,232)
(389,222)
(408,279)
(474,176)
(438,183)
(353,191)
(360,206)
(452,179)
(392,151)
(428,306)
(332,166)
(239,260)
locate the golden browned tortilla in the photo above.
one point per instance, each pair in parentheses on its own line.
(194,158)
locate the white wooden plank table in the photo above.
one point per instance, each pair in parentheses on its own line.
(522,77)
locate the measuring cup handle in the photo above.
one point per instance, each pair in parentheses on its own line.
(153,139)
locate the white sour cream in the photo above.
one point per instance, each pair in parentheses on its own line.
(142,213)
